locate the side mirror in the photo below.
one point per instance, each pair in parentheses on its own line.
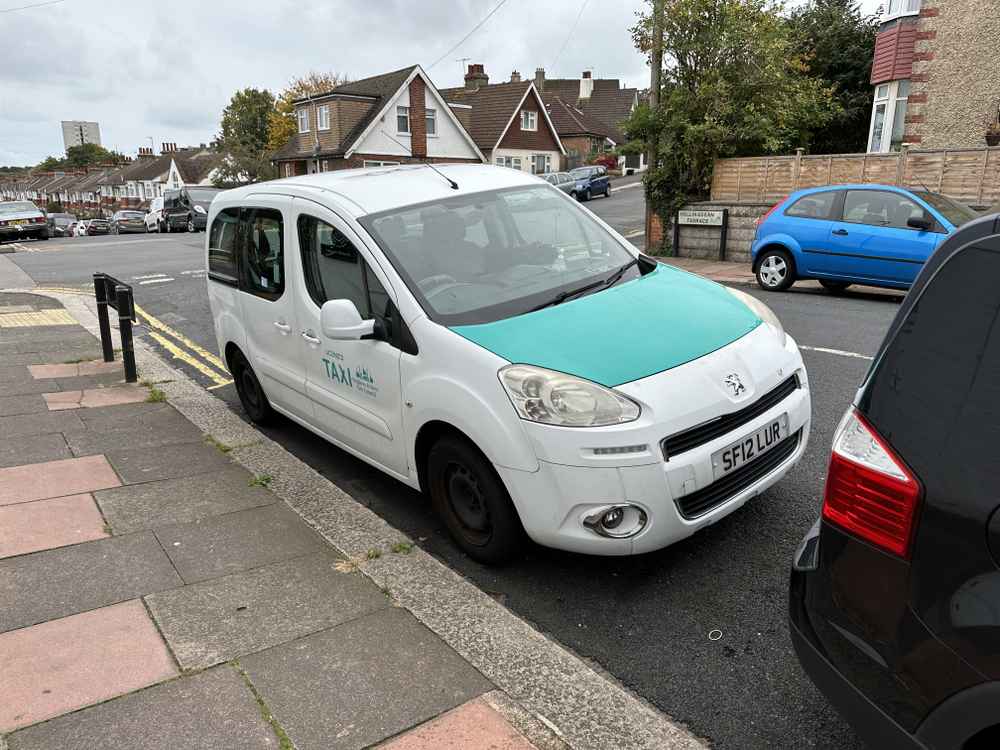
(919,222)
(340,319)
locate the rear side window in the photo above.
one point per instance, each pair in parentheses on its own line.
(263,266)
(222,245)
(813,206)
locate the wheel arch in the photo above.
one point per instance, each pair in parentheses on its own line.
(965,719)
(428,434)
(783,243)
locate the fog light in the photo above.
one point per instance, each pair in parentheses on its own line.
(616,521)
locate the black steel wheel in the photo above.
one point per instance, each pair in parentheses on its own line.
(472,501)
(251,394)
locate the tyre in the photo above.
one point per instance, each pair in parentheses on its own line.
(472,501)
(190,226)
(775,270)
(43,235)
(836,287)
(607,192)
(114,230)
(586,195)
(251,394)
(166,227)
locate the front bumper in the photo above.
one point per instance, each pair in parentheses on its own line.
(582,471)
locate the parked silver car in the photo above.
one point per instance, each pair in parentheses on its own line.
(562,180)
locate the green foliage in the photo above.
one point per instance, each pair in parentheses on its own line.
(732,85)
(281,123)
(838,44)
(84,155)
(242,139)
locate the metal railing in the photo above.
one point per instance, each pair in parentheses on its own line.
(110,292)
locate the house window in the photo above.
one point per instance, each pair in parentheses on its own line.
(324,166)
(541,163)
(377,163)
(323,117)
(303,115)
(513,162)
(896,8)
(888,123)
(403,120)
(431,119)
(529,120)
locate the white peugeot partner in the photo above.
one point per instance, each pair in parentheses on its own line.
(477,334)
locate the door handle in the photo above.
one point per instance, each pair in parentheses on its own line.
(282,326)
(841,232)
(309,337)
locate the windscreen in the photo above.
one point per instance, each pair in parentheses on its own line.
(493,255)
(202,196)
(955,212)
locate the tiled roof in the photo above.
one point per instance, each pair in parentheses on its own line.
(150,169)
(492,108)
(381,87)
(195,164)
(570,120)
(608,103)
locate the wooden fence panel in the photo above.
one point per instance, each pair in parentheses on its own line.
(968,175)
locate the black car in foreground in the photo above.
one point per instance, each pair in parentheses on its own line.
(895,592)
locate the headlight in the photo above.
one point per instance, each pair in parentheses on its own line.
(549,397)
(200,210)
(761,310)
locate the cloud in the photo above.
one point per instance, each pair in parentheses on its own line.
(167,70)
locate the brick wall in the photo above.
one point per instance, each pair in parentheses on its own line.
(955,83)
(535,140)
(418,121)
(703,242)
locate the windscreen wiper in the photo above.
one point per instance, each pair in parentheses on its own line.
(570,293)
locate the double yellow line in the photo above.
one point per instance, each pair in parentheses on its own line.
(173,341)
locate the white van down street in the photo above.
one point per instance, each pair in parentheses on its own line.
(475,333)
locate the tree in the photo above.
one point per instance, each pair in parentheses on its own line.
(82,155)
(281,123)
(732,84)
(838,44)
(242,139)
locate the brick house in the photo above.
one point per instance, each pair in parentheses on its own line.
(935,73)
(508,121)
(582,136)
(394,118)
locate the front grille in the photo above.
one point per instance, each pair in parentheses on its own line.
(700,502)
(708,431)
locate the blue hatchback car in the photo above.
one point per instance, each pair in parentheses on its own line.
(879,235)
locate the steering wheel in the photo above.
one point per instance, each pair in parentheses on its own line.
(433,282)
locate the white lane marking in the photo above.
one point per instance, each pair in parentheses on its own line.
(637,233)
(838,352)
(149,276)
(155,281)
(616,188)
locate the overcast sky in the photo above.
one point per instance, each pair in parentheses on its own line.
(166,69)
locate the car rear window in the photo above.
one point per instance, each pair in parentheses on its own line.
(17,207)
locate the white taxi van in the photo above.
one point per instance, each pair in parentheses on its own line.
(475,333)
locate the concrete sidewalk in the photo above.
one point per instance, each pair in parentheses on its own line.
(722,271)
(162,587)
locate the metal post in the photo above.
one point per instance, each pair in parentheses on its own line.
(123,296)
(101,294)
(676,249)
(723,234)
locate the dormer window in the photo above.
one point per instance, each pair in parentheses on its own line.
(303,115)
(529,120)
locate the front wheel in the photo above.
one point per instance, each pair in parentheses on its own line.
(251,394)
(775,270)
(836,287)
(586,195)
(607,192)
(472,501)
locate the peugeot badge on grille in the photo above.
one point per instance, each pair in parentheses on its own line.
(734,383)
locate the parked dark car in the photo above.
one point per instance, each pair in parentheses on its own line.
(21,220)
(186,209)
(97,226)
(124,222)
(878,235)
(590,181)
(61,225)
(895,592)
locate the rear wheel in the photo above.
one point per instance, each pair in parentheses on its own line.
(472,501)
(251,394)
(834,286)
(775,270)
(586,195)
(607,192)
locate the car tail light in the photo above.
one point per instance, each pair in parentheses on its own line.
(869,490)
(758,221)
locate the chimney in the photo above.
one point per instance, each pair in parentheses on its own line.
(586,85)
(515,77)
(476,77)
(540,79)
